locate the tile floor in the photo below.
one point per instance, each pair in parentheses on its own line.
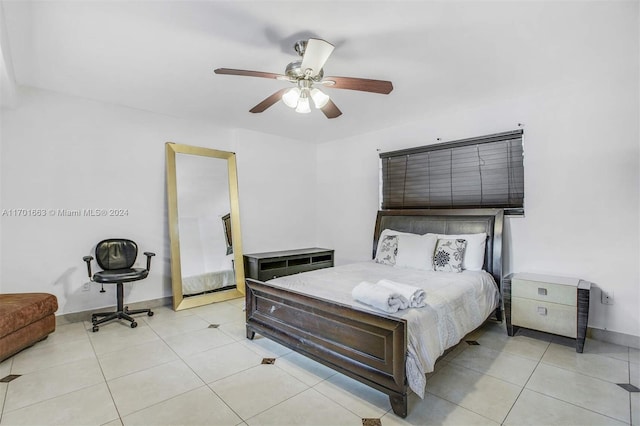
(174,369)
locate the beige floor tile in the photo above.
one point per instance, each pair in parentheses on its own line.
(44,384)
(116,422)
(66,333)
(89,406)
(237,330)
(198,341)
(441,363)
(178,325)
(136,358)
(526,343)
(196,407)
(164,313)
(307,408)
(148,387)
(634,374)
(252,391)
(116,337)
(484,395)
(266,347)
(358,398)
(502,365)
(587,392)
(304,369)
(220,313)
(597,347)
(40,357)
(5,370)
(222,361)
(535,409)
(601,367)
(635,409)
(454,351)
(240,301)
(3,393)
(436,411)
(5,367)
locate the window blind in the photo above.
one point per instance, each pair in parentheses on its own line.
(478,172)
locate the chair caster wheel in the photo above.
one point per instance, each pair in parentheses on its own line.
(150,313)
(95,328)
(134,324)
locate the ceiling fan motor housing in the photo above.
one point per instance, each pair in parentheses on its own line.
(295,71)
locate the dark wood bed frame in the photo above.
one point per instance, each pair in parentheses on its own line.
(369,347)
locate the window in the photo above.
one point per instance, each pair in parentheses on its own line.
(478,172)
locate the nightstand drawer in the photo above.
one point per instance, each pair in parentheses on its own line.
(544,316)
(543,291)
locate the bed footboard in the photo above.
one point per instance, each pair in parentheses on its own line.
(368,347)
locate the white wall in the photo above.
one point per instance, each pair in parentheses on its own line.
(582,165)
(276,179)
(62,152)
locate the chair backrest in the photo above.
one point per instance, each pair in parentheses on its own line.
(116,253)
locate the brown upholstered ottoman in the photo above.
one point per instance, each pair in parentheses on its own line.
(25,318)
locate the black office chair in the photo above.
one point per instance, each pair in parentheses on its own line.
(116,257)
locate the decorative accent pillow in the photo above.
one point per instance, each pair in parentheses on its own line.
(474,253)
(385,233)
(449,255)
(387,250)
(416,251)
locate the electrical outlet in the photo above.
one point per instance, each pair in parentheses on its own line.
(606,297)
(86,286)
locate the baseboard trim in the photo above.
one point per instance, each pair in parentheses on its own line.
(86,315)
(614,337)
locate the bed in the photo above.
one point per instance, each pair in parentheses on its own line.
(369,346)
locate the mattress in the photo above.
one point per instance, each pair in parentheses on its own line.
(457,303)
(209,281)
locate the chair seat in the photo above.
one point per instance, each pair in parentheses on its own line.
(114,276)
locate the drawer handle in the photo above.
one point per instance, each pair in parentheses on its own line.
(542,311)
(542,291)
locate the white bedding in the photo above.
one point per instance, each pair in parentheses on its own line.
(208,281)
(457,303)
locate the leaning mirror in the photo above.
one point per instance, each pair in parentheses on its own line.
(204,226)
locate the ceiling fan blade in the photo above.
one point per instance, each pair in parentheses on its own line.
(362,84)
(248,73)
(268,101)
(316,54)
(331,110)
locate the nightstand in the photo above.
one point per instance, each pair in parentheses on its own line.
(557,305)
(274,264)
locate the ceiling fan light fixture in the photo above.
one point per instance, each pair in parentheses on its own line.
(303,104)
(291,96)
(320,99)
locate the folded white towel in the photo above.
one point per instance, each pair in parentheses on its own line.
(415,295)
(380,297)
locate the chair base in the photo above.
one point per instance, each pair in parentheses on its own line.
(121,313)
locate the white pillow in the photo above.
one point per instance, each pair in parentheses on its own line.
(474,253)
(416,251)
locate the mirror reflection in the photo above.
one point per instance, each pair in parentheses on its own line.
(204,228)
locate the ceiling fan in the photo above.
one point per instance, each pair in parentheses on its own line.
(307,72)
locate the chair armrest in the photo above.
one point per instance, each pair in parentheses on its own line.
(149,256)
(88,259)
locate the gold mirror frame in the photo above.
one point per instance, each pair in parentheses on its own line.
(179,301)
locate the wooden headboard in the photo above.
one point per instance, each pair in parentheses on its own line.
(459,221)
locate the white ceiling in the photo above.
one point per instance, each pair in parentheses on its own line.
(159,56)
